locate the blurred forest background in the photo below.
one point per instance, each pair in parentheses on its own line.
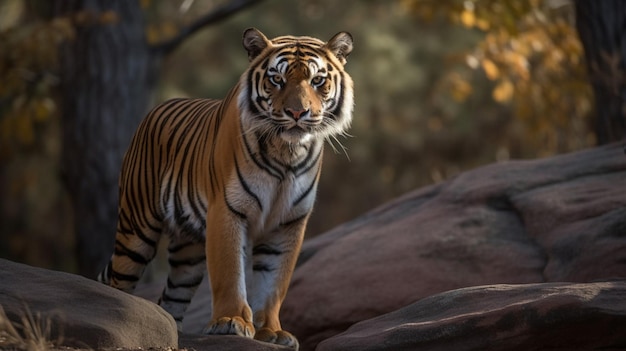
(442,86)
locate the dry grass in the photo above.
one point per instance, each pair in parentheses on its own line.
(32,333)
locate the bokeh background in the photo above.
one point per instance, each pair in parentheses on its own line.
(442,86)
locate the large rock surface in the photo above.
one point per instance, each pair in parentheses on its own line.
(548,316)
(561,219)
(196,342)
(510,231)
(80,312)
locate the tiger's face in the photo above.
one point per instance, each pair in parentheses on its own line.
(296,88)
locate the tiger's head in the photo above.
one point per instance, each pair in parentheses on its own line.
(296,88)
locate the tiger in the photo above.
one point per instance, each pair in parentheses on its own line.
(231,183)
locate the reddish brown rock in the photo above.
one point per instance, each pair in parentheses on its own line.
(549,220)
(541,221)
(550,316)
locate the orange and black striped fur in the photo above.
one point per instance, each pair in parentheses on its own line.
(234,181)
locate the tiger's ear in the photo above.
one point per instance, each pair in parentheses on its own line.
(254,41)
(341,46)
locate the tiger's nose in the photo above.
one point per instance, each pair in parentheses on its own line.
(296,114)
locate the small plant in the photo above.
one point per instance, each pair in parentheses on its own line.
(32,333)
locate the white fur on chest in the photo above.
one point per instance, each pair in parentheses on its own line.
(279,201)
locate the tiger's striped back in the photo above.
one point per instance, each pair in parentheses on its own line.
(232,182)
(163,182)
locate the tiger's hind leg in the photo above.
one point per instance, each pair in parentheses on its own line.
(134,249)
(187,267)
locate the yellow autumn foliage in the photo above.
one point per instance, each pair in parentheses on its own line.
(491,70)
(158,32)
(28,60)
(460,88)
(531,52)
(468,18)
(503,92)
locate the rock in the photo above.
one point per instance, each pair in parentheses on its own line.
(85,314)
(225,343)
(80,312)
(513,232)
(518,222)
(198,313)
(550,316)
(197,317)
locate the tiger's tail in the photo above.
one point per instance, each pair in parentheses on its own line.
(104,276)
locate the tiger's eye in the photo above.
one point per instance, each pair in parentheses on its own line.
(277,80)
(318,81)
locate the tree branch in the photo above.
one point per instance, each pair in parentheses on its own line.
(213,17)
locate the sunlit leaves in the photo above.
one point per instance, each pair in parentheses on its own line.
(160,28)
(28,61)
(458,87)
(468,18)
(89,18)
(490,68)
(531,53)
(158,32)
(503,92)
(28,64)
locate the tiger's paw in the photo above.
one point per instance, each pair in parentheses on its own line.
(279,337)
(230,326)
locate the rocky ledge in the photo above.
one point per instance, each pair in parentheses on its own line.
(559,219)
(521,255)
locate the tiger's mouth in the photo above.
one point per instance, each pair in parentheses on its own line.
(295,133)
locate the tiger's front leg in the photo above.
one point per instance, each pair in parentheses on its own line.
(273,262)
(225,257)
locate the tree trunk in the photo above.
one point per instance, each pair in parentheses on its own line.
(106,75)
(601,26)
